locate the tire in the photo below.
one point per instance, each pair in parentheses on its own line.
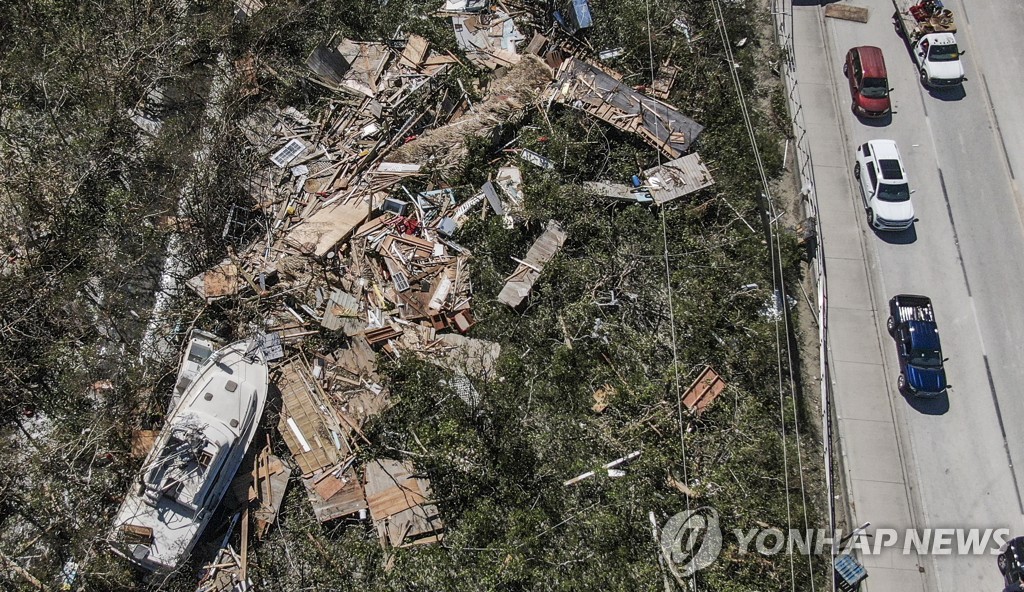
(890,325)
(871,218)
(901,384)
(846,70)
(1002,563)
(924,77)
(856,171)
(896,24)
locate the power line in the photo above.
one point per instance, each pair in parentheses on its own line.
(779,281)
(671,307)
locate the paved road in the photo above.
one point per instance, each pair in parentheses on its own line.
(945,463)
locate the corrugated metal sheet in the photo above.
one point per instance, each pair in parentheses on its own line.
(341,305)
(580,15)
(328,64)
(677,178)
(588,87)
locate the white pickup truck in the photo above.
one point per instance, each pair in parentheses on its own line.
(930,31)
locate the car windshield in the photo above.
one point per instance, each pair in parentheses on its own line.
(926,358)
(944,53)
(875,88)
(893,192)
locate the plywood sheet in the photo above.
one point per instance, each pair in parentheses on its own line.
(415,51)
(327,227)
(142,442)
(520,283)
(398,503)
(847,12)
(390,488)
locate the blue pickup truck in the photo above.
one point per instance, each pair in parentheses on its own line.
(912,325)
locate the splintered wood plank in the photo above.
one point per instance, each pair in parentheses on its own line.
(847,12)
(271,494)
(391,488)
(346,500)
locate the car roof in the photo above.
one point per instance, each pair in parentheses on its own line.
(871,61)
(924,335)
(884,149)
(891,169)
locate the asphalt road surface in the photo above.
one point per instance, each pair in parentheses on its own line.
(963,148)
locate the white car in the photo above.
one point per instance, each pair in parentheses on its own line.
(938,60)
(883,184)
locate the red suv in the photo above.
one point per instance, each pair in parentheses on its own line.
(869,85)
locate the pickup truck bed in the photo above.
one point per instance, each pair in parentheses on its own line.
(940,22)
(908,307)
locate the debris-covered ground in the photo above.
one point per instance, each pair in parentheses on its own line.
(510,265)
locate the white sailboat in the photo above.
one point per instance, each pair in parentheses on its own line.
(194,460)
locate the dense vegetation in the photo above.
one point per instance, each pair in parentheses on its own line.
(83,189)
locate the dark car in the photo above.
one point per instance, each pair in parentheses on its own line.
(1011,564)
(869,83)
(912,325)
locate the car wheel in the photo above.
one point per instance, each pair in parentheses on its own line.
(846,70)
(924,77)
(856,171)
(1001,562)
(871,218)
(890,325)
(901,384)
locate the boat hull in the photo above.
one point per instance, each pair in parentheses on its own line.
(194,460)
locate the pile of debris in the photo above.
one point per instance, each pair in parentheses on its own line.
(337,157)
(323,410)
(487,36)
(508,97)
(359,242)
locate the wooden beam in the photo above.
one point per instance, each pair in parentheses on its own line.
(21,571)
(245,544)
